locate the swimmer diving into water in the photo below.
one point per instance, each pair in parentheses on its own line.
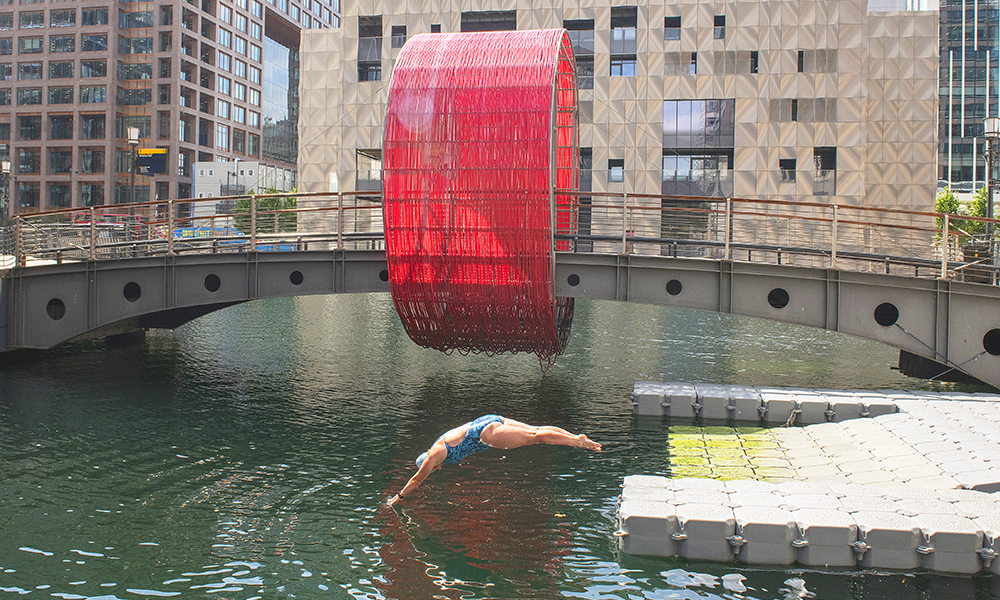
(489,431)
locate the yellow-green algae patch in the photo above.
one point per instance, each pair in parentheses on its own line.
(727,453)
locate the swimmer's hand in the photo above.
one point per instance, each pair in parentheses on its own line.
(393,500)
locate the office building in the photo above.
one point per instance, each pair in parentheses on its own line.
(189,76)
(830,102)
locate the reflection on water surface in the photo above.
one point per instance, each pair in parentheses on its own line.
(249,455)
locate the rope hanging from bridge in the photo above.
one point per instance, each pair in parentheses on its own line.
(481,129)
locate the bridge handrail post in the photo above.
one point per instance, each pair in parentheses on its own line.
(170,226)
(624,223)
(19,242)
(340,220)
(729,225)
(93,234)
(944,248)
(253,222)
(833,241)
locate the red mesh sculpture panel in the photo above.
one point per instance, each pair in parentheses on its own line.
(480,133)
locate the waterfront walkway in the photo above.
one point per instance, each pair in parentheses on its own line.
(914,484)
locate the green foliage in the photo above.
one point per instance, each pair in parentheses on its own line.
(978,209)
(266,218)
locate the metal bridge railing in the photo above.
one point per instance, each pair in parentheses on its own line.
(798,233)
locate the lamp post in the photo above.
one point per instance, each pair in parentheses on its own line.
(133,141)
(5,195)
(991,131)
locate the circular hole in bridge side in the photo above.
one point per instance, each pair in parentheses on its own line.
(56,309)
(674,287)
(384,275)
(886,314)
(777,298)
(132,291)
(296,278)
(991,342)
(213,283)
(573,280)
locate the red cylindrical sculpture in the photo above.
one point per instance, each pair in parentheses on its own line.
(480,133)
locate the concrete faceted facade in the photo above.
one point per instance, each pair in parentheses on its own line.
(76,75)
(813,101)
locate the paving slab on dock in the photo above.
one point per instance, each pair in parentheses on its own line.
(910,480)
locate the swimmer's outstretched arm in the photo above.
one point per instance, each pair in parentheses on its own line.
(433,460)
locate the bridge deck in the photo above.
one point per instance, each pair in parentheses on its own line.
(917,488)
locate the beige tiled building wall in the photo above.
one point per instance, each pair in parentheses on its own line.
(867,87)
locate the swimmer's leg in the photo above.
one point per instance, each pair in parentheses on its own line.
(507,436)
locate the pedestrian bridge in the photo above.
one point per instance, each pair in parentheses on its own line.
(921,282)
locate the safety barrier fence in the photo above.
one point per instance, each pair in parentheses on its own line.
(813,234)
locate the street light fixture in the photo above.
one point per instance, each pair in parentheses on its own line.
(5,194)
(133,141)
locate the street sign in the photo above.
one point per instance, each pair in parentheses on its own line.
(152,161)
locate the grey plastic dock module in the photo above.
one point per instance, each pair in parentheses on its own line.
(742,403)
(713,400)
(757,522)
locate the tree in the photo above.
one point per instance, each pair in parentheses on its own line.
(978,209)
(946,202)
(266,204)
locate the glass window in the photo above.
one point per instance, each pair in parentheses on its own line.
(241,22)
(140,45)
(60,194)
(60,161)
(6,72)
(239,141)
(6,46)
(5,97)
(92,161)
(223,85)
(31,20)
(29,45)
(720,27)
(62,18)
(241,69)
(225,38)
(225,14)
(623,65)
(255,97)
(257,9)
(93,68)
(222,137)
(166,16)
(255,52)
(97,42)
(254,119)
(616,170)
(134,97)
(27,71)
(253,145)
(165,67)
(239,114)
(255,75)
(786,170)
(398,36)
(138,19)
(754,61)
(135,70)
(239,91)
(92,194)
(62,43)
(61,127)
(225,61)
(6,20)
(699,123)
(295,13)
(60,70)
(671,28)
(255,30)
(164,93)
(28,194)
(624,21)
(241,46)
(93,94)
(30,128)
(163,125)
(94,16)
(222,109)
(60,95)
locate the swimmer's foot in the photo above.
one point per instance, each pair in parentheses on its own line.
(588,443)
